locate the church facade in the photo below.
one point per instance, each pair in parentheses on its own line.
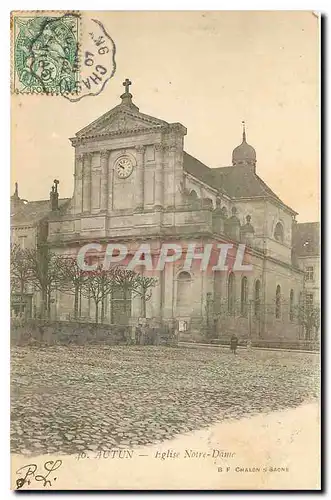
(135,184)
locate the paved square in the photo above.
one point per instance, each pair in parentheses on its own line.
(68,399)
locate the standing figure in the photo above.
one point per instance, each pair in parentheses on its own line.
(234,343)
(138,334)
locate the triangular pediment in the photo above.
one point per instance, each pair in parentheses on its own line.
(121,118)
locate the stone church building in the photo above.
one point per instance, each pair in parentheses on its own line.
(134,183)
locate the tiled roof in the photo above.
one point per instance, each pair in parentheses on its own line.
(30,212)
(236,182)
(306,238)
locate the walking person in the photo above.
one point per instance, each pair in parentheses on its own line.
(234,343)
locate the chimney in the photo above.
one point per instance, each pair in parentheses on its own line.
(54,196)
(15,200)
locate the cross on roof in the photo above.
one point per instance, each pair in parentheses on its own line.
(127,84)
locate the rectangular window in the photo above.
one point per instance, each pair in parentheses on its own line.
(309,300)
(309,273)
(22,241)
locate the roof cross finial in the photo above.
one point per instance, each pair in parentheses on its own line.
(127,84)
(56,182)
(244,130)
(127,96)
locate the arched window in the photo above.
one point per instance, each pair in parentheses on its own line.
(291,305)
(231,293)
(207,203)
(193,198)
(279,232)
(184,281)
(244,296)
(224,212)
(257,298)
(278,308)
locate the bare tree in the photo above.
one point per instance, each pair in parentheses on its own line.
(44,268)
(20,272)
(97,285)
(142,287)
(125,282)
(72,279)
(309,317)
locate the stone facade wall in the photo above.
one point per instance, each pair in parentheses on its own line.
(29,233)
(314,285)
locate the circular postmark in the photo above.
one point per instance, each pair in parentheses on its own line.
(46,54)
(97,60)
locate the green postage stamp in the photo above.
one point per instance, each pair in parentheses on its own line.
(45,52)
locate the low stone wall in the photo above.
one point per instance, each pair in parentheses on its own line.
(35,332)
(64,332)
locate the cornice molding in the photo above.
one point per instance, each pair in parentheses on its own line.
(180,129)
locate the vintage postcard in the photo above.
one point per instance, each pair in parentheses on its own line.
(165,250)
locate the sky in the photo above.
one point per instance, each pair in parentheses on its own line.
(209,71)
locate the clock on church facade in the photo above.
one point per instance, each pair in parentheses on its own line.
(124,167)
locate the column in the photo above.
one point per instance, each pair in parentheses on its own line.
(78,192)
(136,307)
(168,288)
(172,170)
(178,175)
(159,148)
(87,182)
(139,184)
(157,295)
(104,180)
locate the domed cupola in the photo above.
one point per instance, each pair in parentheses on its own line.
(244,154)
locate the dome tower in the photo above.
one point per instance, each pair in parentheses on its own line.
(244,154)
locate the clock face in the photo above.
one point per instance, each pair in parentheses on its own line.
(124,168)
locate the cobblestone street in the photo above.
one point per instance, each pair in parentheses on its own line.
(68,399)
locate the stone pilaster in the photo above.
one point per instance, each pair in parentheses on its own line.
(172,177)
(168,296)
(178,165)
(159,184)
(104,158)
(139,184)
(157,295)
(87,182)
(78,191)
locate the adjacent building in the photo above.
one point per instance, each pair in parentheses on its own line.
(29,229)
(306,243)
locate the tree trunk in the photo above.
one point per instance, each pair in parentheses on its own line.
(102,310)
(80,302)
(76,302)
(21,297)
(96,312)
(43,303)
(49,304)
(144,306)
